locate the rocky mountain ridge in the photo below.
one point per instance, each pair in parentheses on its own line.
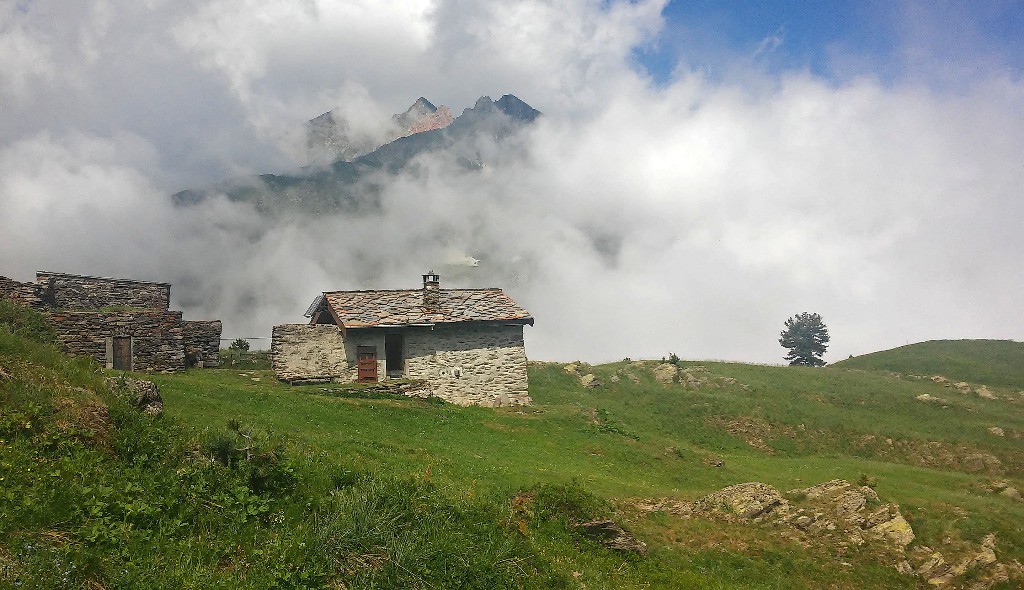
(351,183)
(329,137)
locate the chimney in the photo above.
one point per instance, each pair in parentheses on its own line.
(432,293)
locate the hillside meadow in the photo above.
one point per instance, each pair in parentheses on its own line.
(245,482)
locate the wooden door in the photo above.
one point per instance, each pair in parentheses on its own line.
(367,364)
(122,353)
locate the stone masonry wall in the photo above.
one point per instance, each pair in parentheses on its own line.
(202,343)
(80,292)
(27,293)
(303,353)
(468,364)
(472,364)
(157,339)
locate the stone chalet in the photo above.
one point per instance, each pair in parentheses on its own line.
(123,324)
(465,344)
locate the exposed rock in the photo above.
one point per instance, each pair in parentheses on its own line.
(963,387)
(612,536)
(746,500)
(870,494)
(997,485)
(1012,493)
(828,488)
(896,529)
(614,379)
(996,431)
(849,504)
(940,379)
(665,373)
(145,394)
(571,368)
(589,380)
(933,567)
(928,398)
(983,392)
(979,462)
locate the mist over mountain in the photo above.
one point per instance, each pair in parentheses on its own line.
(351,181)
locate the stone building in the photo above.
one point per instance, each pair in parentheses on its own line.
(123,324)
(465,344)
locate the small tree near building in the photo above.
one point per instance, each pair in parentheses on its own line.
(239,345)
(806,337)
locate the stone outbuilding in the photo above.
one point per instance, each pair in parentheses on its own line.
(123,324)
(465,344)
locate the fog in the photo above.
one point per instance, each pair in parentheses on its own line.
(632,219)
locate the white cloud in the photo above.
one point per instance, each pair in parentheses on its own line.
(632,221)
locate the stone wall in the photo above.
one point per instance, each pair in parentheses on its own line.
(202,343)
(466,364)
(300,353)
(157,341)
(26,293)
(470,364)
(81,292)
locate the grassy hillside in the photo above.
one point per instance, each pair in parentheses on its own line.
(342,489)
(991,362)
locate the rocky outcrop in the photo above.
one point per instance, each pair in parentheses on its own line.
(330,136)
(841,515)
(612,536)
(144,395)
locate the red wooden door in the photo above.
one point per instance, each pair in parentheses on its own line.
(367,364)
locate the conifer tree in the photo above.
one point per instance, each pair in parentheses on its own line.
(806,337)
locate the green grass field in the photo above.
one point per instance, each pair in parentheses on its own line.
(351,491)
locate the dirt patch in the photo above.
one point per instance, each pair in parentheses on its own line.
(752,430)
(931,453)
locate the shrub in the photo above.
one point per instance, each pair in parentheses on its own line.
(26,322)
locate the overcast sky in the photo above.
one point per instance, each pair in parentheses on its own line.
(703,171)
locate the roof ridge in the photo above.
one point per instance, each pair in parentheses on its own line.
(413,290)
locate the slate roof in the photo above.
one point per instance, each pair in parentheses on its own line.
(366,309)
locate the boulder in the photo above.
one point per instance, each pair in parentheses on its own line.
(665,373)
(995,430)
(827,489)
(145,395)
(895,529)
(983,392)
(979,462)
(746,500)
(589,380)
(612,536)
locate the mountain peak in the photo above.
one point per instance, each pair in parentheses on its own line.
(424,103)
(512,106)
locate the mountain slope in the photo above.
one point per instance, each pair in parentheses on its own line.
(353,186)
(990,362)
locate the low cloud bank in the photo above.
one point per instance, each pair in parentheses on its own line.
(631,220)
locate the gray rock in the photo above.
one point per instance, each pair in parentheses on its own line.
(612,536)
(145,395)
(746,500)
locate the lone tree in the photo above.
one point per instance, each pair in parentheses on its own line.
(239,345)
(806,337)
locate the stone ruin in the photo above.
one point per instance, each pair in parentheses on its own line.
(123,324)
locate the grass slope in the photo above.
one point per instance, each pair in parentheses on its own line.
(348,490)
(991,362)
